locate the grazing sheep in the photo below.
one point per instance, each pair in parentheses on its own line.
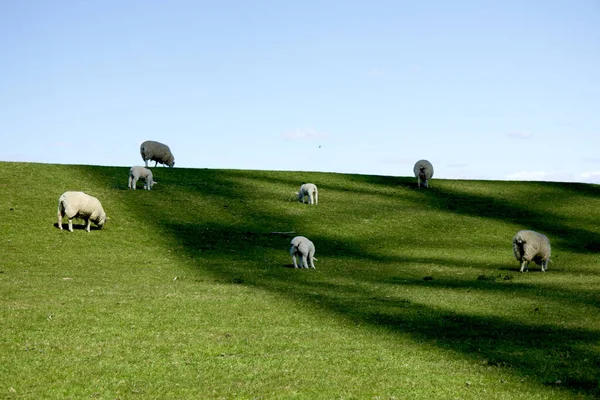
(531,246)
(310,191)
(304,249)
(423,172)
(157,152)
(138,172)
(80,205)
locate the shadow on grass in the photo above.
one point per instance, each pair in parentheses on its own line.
(574,239)
(543,352)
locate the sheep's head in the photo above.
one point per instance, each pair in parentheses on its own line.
(102,220)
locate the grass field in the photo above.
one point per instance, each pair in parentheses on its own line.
(188,293)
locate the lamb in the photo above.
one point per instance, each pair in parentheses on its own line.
(531,246)
(157,152)
(80,205)
(304,250)
(138,172)
(310,191)
(423,172)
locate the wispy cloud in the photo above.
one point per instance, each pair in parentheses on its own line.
(540,176)
(555,176)
(591,177)
(305,134)
(376,72)
(519,135)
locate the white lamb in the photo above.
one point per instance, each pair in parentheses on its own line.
(304,250)
(80,205)
(310,192)
(157,152)
(531,246)
(138,172)
(423,172)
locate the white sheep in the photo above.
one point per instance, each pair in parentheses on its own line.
(138,172)
(80,205)
(304,250)
(423,172)
(310,192)
(157,152)
(531,246)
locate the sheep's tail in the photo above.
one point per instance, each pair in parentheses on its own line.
(315,259)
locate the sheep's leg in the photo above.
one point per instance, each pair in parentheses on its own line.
(70,224)
(312,262)
(524,266)
(88,223)
(419,181)
(304,261)
(316,197)
(544,265)
(311,199)
(146,163)
(294,260)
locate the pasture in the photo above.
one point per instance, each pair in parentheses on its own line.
(188,291)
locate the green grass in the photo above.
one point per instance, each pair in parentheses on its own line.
(187,293)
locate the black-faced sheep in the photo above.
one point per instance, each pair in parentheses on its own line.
(80,205)
(423,172)
(304,250)
(531,246)
(138,172)
(157,152)
(310,192)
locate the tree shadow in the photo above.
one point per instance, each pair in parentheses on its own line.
(574,239)
(536,349)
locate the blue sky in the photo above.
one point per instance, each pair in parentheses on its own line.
(483,89)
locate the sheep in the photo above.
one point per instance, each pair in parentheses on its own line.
(157,152)
(423,172)
(531,246)
(80,205)
(310,191)
(304,249)
(138,172)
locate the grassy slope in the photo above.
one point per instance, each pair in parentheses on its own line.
(188,294)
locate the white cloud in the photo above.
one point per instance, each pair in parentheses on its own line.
(376,72)
(591,177)
(554,176)
(305,134)
(519,135)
